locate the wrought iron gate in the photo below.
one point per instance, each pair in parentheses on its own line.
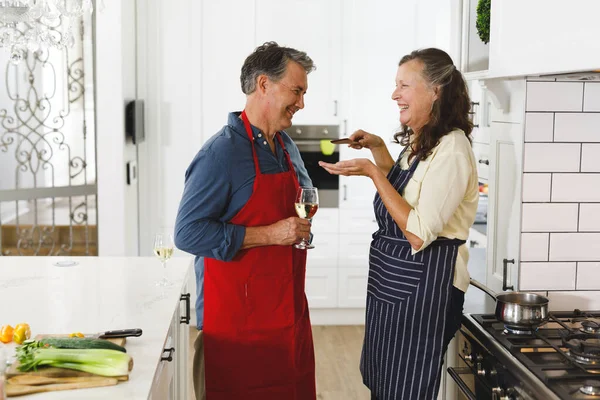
(47,151)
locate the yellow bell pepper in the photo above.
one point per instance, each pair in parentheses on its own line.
(22,332)
(6,334)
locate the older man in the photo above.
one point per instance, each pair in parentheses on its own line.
(237,217)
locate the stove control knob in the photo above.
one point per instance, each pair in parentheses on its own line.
(492,372)
(480,370)
(498,394)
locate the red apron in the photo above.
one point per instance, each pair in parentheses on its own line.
(257,334)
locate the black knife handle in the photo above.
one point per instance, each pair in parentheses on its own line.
(121,333)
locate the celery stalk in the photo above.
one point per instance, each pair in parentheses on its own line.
(96,361)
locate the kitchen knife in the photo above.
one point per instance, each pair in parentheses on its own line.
(115,334)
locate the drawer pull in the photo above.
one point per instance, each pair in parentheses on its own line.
(186,318)
(486,162)
(171,350)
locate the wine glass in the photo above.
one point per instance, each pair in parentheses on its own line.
(163,249)
(307,204)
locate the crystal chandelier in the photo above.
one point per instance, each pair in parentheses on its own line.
(32,25)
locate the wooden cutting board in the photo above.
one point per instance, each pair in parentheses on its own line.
(51,372)
(17,386)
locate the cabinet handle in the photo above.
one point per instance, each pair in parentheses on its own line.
(505,263)
(475,125)
(486,162)
(335,108)
(186,318)
(345,192)
(171,350)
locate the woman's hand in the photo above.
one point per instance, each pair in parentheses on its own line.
(366,140)
(357,166)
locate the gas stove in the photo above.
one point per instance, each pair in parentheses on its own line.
(558,360)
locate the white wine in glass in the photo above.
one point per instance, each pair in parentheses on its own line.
(307,204)
(163,249)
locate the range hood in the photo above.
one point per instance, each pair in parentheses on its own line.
(576,76)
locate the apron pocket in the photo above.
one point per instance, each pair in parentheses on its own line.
(393,280)
(269,302)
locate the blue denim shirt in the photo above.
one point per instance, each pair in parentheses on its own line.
(218,183)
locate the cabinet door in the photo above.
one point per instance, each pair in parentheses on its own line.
(358,221)
(324,255)
(353,287)
(321,287)
(186,307)
(482,156)
(504,209)
(283,23)
(356,192)
(354,250)
(164,385)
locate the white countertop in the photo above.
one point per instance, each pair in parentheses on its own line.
(99,294)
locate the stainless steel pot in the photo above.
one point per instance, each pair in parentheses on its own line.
(518,310)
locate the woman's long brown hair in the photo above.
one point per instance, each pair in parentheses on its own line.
(449,111)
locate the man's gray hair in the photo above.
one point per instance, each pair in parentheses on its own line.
(270,59)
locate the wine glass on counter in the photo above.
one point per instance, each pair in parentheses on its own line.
(307,204)
(163,249)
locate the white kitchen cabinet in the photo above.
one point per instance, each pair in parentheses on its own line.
(321,287)
(354,250)
(353,287)
(504,207)
(358,221)
(326,220)
(171,378)
(324,253)
(164,386)
(482,156)
(323,43)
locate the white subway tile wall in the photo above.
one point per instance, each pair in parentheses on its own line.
(554,96)
(548,276)
(560,239)
(552,157)
(590,157)
(536,187)
(591,99)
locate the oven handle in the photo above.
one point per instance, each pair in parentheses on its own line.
(455,374)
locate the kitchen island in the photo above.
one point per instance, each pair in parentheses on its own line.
(107,293)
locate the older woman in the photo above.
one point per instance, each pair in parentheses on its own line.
(425,204)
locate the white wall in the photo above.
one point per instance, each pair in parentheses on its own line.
(115,72)
(169,74)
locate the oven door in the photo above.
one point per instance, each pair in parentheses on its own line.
(465,381)
(328,184)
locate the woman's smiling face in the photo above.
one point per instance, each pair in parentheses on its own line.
(413,95)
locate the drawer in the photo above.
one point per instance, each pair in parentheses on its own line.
(326,220)
(321,287)
(353,287)
(325,253)
(354,251)
(358,221)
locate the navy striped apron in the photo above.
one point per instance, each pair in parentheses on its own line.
(407,302)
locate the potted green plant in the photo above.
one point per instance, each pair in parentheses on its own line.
(483,20)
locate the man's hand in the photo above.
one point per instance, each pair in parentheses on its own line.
(289,231)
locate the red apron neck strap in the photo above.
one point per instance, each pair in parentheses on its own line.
(251,137)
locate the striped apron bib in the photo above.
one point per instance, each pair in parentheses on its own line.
(407,302)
